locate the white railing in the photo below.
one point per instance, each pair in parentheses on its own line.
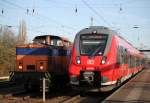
(5,77)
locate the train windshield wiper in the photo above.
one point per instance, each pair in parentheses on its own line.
(97,50)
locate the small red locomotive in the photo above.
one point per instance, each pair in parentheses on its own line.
(47,57)
(102,60)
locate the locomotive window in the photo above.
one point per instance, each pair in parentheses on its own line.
(66,44)
(90,43)
(59,43)
(40,40)
(56,42)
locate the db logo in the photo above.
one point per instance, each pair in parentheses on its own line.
(90,61)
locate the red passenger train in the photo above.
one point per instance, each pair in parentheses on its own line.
(101,60)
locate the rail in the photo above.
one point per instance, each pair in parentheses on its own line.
(4,78)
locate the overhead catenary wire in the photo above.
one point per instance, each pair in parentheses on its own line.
(93,10)
(44,17)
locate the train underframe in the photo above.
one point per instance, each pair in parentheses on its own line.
(91,81)
(94,81)
(33,80)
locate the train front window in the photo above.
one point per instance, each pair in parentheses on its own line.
(56,42)
(90,44)
(41,40)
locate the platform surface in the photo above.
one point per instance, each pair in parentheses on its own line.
(136,90)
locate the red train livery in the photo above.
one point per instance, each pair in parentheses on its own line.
(102,60)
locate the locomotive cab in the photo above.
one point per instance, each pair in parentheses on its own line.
(47,57)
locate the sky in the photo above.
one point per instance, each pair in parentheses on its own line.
(67,17)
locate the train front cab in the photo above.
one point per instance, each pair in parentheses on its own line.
(97,64)
(92,63)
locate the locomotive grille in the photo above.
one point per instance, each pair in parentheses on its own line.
(90,78)
(30,67)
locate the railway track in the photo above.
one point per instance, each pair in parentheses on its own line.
(88,98)
(17,94)
(5,84)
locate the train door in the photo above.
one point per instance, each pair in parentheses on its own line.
(119,59)
(122,61)
(125,68)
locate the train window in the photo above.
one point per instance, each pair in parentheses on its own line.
(59,43)
(90,44)
(138,62)
(66,43)
(127,56)
(130,61)
(56,42)
(118,55)
(124,56)
(135,63)
(39,40)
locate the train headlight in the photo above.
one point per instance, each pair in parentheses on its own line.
(41,67)
(103,60)
(20,67)
(78,60)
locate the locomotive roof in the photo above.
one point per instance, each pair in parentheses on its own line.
(43,36)
(52,36)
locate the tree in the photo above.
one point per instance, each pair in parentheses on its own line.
(22,36)
(7,50)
